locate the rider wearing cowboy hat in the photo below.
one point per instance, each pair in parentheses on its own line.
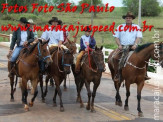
(30,21)
(127,39)
(86,41)
(22,39)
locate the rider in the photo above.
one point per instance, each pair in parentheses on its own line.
(66,34)
(86,41)
(126,38)
(32,24)
(22,38)
(55,38)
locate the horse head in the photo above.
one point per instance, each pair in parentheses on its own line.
(71,45)
(99,58)
(67,61)
(43,50)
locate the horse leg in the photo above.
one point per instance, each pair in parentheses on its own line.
(118,97)
(41,86)
(139,89)
(87,84)
(96,84)
(46,89)
(51,82)
(12,88)
(127,95)
(64,85)
(79,99)
(54,98)
(24,94)
(57,83)
(34,85)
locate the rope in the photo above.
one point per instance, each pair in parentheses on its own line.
(57,61)
(135,66)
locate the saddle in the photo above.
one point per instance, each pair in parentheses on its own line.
(122,56)
(83,58)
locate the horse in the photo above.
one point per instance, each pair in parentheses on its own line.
(27,68)
(89,73)
(71,45)
(134,70)
(62,61)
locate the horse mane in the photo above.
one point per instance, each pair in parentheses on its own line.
(29,50)
(139,48)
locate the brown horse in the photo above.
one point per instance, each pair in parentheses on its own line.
(90,74)
(62,61)
(71,45)
(134,71)
(27,68)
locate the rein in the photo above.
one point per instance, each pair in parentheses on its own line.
(39,55)
(89,60)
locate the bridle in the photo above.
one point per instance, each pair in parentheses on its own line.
(67,65)
(40,54)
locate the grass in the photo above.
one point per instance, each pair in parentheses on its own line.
(102,38)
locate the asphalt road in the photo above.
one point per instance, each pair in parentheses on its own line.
(105,107)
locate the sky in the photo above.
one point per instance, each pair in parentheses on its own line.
(116,3)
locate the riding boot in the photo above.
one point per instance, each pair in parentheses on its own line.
(146,77)
(11,69)
(78,61)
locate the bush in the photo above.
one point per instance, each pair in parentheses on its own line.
(149,7)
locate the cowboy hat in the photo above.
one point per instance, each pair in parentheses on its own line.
(60,22)
(23,20)
(87,29)
(129,14)
(54,19)
(31,21)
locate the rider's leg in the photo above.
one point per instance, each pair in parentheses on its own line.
(79,57)
(13,59)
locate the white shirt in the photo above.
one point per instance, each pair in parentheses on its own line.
(23,37)
(127,37)
(85,39)
(54,36)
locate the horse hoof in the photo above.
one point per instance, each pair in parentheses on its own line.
(61,109)
(88,107)
(26,108)
(77,99)
(12,100)
(31,104)
(93,110)
(82,105)
(119,104)
(65,89)
(43,100)
(140,114)
(126,108)
(54,104)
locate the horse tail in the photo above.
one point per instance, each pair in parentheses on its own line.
(16,81)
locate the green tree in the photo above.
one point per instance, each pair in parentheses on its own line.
(56,2)
(149,7)
(95,3)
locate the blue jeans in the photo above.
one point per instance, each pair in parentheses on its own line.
(16,53)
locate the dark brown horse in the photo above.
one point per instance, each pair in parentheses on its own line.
(90,74)
(27,68)
(135,70)
(62,61)
(71,45)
